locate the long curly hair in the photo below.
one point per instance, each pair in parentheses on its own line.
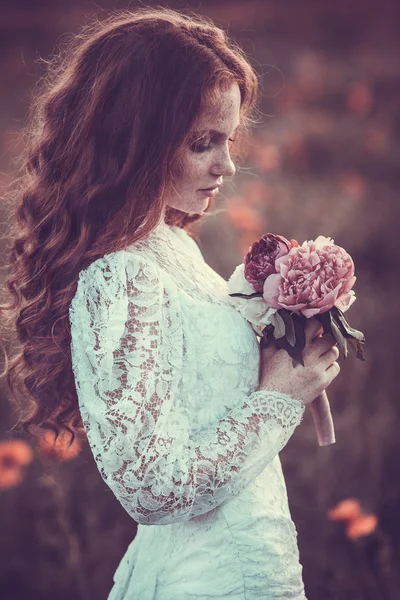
(106,127)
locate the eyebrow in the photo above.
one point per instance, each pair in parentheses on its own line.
(214,132)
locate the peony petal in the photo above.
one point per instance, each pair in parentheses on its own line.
(345,301)
(283,248)
(284,260)
(314,259)
(288,306)
(271,290)
(284,269)
(349,284)
(237,283)
(331,297)
(321,241)
(310,312)
(288,299)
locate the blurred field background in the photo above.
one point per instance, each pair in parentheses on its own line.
(325,161)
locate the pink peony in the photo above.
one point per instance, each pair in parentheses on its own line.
(259,262)
(312,278)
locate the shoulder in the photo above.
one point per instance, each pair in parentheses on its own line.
(107,282)
(119,266)
(110,282)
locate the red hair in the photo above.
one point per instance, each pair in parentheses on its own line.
(105,131)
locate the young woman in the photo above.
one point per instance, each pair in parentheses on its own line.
(126,330)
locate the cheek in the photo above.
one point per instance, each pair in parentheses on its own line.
(188,171)
(196,167)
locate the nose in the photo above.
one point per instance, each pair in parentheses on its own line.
(224,167)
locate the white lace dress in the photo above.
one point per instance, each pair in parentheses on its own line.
(166,372)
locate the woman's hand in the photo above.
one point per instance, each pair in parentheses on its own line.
(320,353)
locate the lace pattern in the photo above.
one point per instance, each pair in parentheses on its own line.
(132,377)
(178,255)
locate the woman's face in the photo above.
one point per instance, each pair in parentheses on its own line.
(207,159)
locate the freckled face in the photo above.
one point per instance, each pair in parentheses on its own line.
(207,158)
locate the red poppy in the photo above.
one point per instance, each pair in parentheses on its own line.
(361,526)
(346,510)
(14,456)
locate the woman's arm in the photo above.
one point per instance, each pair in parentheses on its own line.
(126,346)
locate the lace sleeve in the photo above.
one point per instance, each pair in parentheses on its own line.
(126,349)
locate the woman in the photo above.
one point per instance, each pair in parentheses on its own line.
(185,415)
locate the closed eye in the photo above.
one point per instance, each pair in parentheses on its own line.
(196,147)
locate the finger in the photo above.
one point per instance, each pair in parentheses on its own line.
(331,372)
(331,355)
(325,343)
(312,329)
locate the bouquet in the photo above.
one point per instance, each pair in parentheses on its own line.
(281,284)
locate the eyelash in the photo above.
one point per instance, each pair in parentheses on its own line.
(203,148)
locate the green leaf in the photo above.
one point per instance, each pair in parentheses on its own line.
(299,322)
(239,295)
(326,321)
(290,333)
(279,326)
(267,336)
(355,338)
(357,347)
(345,325)
(330,324)
(339,337)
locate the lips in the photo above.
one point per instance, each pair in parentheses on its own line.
(210,191)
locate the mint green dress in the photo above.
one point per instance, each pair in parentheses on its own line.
(166,372)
